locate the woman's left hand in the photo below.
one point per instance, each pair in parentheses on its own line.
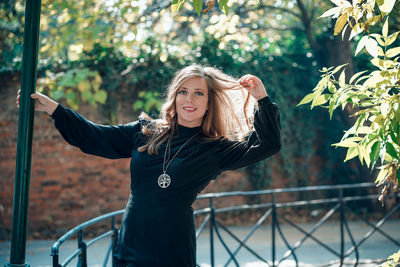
(253,85)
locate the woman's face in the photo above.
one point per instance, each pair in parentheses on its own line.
(192,102)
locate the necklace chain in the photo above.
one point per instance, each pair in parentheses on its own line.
(168,147)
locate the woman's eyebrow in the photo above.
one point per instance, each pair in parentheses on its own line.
(199,89)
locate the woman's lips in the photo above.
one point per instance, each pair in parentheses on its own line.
(189,109)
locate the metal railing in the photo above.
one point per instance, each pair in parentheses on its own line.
(339,202)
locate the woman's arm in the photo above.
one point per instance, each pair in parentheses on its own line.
(262,143)
(100,140)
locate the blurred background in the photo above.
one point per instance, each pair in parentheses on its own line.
(111,59)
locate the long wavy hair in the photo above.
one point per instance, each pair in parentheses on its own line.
(221,120)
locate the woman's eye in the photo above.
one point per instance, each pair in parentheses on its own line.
(199,93)
(182,92)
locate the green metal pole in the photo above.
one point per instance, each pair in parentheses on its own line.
(25,130)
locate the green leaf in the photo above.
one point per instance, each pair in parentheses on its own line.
(355,76)
(176,6)
(319,100)
(138,105)
(198,6)
(373,155)
(391,151)
(225,9)
(349,142)
(100,96)
(331,108)
(398,175)
(352,152)
(87,95)
(308,98)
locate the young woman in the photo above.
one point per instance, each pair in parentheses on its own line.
(174,158)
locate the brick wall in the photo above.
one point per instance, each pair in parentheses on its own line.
(67,186)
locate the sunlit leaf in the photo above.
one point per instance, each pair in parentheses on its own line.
(361,44)
(391,38)
(330,12)
(352,152)
(319,100)
(385,28)
(349,142)
(307,99)
(341,3)
(387,6)
(378,39)
(338,68)
(341,21)
(383,173)
(393,52)
(355,76)
(372,47)
(176,5)
(342,79)
(331,108)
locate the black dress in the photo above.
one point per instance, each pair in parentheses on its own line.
(158,226)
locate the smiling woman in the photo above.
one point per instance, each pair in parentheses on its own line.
(192,102)
(197,137)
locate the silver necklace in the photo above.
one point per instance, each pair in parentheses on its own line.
(164,180)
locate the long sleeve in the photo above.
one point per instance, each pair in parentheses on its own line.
(101,140)
(262,143)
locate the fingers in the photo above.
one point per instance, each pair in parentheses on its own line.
(249,81)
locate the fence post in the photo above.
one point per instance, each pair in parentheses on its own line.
(341,226)
(25,132)
(82,261)
(273,228)
(212,222)
(114,237)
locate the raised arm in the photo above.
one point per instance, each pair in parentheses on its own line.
(262,143)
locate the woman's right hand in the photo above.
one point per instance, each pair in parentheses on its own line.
(42,103)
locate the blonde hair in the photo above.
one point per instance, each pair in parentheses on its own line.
(220,121)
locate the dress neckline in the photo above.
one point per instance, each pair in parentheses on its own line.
(183,130)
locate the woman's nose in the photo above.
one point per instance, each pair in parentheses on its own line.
(189,98)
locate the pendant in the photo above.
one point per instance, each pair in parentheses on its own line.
(164,180)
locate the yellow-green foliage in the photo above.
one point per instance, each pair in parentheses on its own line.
(392,261)
(374,96)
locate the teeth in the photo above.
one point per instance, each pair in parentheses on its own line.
(189,108)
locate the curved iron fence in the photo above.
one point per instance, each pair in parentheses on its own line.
(340,205)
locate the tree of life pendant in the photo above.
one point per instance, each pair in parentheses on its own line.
(164,180)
